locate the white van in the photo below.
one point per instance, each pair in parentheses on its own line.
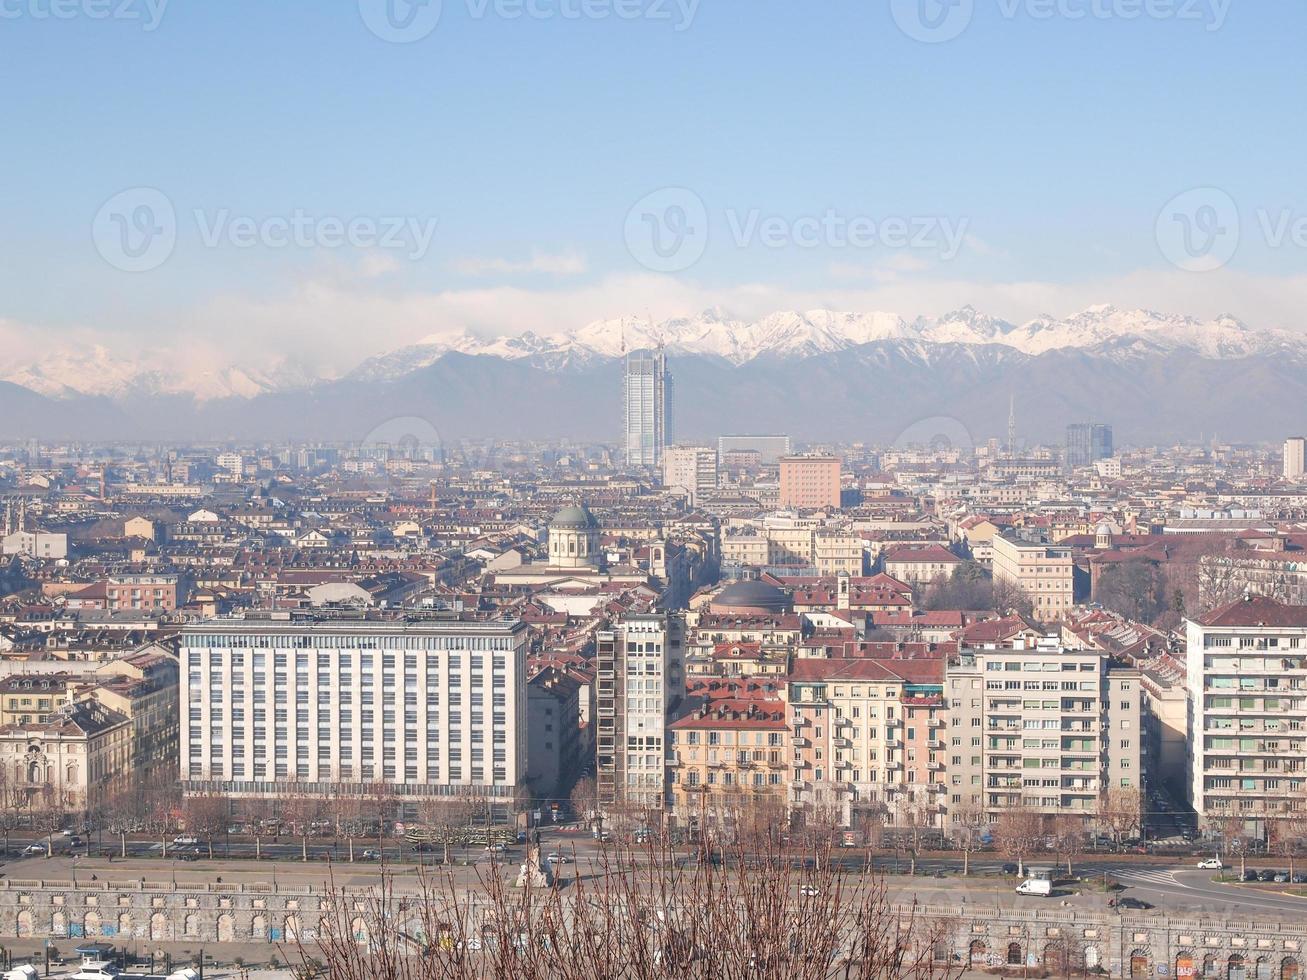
(1040,887)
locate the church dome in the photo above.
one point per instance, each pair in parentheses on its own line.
(751,598)
(577,517)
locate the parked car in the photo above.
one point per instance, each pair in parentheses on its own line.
(75,841)
(1300,878)
(189,854)
(1250,875)
(185,840)
(496,848)
(31,850)
(371,854)
(809,891)
(1010,869)
(1281,878)
(1211,864)
(1266,874)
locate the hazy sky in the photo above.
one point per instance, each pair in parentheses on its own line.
(327,178)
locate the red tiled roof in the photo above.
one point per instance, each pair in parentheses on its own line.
(1256,611)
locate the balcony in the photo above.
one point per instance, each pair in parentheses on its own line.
(935,766)
(801,741)
(843,743)
(936,743)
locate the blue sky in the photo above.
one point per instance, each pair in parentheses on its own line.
(1043,141)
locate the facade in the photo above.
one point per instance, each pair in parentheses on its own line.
(1295,457)
(1048,729)
(553,708)
(74,760)
(646,408)
(770,449)
(691,470)
(919,565)
(1087,443)
(35,544)
(1247,680)
(425,707)
(640,681)
(810,482)
(1043,572)
(856,759)
(729,766)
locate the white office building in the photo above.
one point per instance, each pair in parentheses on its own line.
(1295,458)
(427,707)
(646,408)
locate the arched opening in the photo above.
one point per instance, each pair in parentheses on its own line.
(259,926)
(191,925)
(91,924)
(1185,967)
(1139,965)
(1289,969)
(158,927)
(59,923)
(1092,958)
(125,924)
(1235,969)
(1209,966)
(292,928)
(226,929)
(1014,955)
(1055,959)
(25,924)
(359,930)
(978,953)
(1265,969)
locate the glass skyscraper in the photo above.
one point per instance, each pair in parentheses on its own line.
(646,407)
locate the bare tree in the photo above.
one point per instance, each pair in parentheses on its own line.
(585,799)
(163,807)
(49,811)
(1068,838)
(443,817)
(1234,839)
(642,915)
(967,821)
(1019,832)
(1120,810)
(301,810)
(378,803)
(206,816)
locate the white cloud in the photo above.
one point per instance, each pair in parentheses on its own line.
(556,264)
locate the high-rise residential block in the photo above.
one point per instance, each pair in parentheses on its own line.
(691,470)
(1295,457)
(810,482)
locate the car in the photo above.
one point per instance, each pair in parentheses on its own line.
(75,841)
(371,854)
(1211,864)
(189,854)
(185,840)
(496,848)
(557,857)
(1010,869)
(1281,878)
(31,850)
(809,891)
(1249,875)
(1133,903)
(1266,874)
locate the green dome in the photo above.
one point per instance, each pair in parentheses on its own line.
(576,517)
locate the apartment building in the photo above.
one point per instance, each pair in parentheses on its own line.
(919,564)
(423,706)
(836,552)
(810,482)
(1049,729)
(868,741)
(691,470)
(1247,680)
(729,765)
(640,681)
(1043,572)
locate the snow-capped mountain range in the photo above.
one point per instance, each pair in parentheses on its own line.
(1103,331)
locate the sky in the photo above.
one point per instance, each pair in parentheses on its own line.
(321,180)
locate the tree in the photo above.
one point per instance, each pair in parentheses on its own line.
(1287,835)
(1009,597)
(378,803)
(1135,589)
(163,805)
(257,812)
(968,587)
(348,810)
(49,811)
(585,799)
(1235,839)
(1068,838)
(301,810)
(1120,810)
(1018,833)
(443,816)
(968,820)
(645,916)
(206,816)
